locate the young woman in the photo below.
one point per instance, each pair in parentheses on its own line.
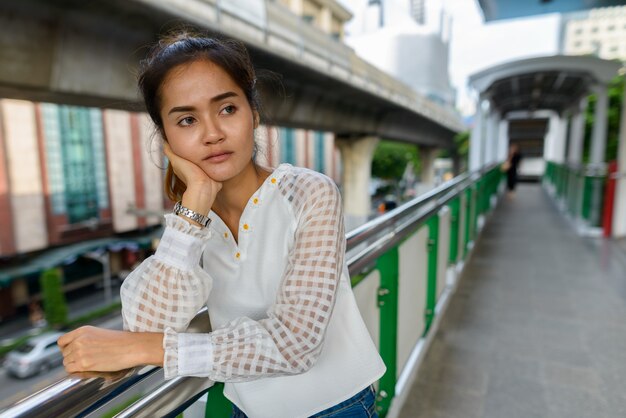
(287,336)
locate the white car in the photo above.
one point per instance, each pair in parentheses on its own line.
(37,355)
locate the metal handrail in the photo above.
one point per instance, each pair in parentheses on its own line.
(362,233)
(80,395)
(390,229)
(75,396)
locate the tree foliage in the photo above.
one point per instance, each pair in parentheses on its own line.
(462,142)
(55,307)
(391,158)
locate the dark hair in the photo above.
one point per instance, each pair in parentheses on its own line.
(184,48)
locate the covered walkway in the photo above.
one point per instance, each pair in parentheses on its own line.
(536,327)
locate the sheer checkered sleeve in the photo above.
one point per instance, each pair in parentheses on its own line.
(289,340)
(168,288)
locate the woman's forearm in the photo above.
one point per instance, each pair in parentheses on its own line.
(148,347)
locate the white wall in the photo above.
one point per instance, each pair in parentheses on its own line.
(24,171)
(151,161)
(120,165)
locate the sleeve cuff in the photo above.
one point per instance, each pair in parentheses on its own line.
(170,346)
(187,354)
(182,243)
(181,225)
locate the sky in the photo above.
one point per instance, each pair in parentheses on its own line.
(475,45)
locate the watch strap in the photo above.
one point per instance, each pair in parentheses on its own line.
(203,220)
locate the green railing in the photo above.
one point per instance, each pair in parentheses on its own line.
(400,264)
(579,189)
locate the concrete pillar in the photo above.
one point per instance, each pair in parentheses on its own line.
(560,142)
(503,141)
(554,145)
(619,209)
(427,156)
(476,138)
(491,144)
(600,125)
(356,159)
(547,141)
(577,134)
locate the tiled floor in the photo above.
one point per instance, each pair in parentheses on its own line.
(537,327)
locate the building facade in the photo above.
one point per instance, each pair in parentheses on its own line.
(327,15)
(410,46)
(600,32)
(73,175)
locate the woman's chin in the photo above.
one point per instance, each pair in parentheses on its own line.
(219,172)
(224,171)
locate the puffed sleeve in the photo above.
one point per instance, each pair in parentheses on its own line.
(289,340)
(167,289)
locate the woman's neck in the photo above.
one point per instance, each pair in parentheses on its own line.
(235,193)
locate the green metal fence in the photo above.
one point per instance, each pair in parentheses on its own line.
(579,189)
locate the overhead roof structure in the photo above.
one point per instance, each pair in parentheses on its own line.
(543,83)
(511,9)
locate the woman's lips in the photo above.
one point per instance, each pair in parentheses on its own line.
(218,158)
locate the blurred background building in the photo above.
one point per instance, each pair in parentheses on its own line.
(600,32)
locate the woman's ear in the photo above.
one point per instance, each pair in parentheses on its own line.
(257,118)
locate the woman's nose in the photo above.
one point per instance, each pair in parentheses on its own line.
(212,133)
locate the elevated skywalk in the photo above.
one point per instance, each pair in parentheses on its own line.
(536,327)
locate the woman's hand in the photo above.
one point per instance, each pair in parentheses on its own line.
(91,349)
(201,189)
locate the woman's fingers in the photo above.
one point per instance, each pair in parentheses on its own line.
(103,350)
(185,170)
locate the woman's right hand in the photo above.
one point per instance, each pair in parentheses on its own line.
(201,189)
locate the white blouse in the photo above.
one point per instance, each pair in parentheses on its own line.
(287,336)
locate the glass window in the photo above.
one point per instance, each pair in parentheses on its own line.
(287,146)
(319,151)
(99,158)
(54,160)
(80,181)
(76,163)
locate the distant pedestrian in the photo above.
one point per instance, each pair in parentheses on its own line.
(511,166)
(36,315)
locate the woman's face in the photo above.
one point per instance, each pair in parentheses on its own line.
(207,119)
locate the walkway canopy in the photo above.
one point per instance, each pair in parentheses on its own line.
(554,82)
(529,93)
(506,9)
(540,104)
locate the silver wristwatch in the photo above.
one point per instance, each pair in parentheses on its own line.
(203,220)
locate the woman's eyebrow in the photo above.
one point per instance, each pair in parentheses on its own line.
(213,100)
(223,96)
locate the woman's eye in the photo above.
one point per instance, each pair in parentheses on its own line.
(229,110)
(186,121)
